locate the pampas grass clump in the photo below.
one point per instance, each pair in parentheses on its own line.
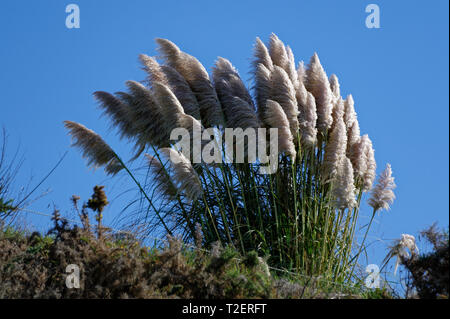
(303,216)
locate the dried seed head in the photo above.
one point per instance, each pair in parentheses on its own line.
(98,201)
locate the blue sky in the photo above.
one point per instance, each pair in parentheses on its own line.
(398,76)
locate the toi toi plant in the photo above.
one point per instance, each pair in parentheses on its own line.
(303,215)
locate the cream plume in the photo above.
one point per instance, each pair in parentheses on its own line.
(344,189)
(275,117)
(228,82)
(136,114)
(169,76)
(283,57)
(146,115)
(94,148)
(168,102)
(334,151)
(291,70)
(350,115)
(382,194)
(338,111)
(351,121)
(277,52)
(371,166)
(184,175)
(334,85)
(182,91)
(317,83)
(400,249)
(153,69)
(197,78)
(262,89)
(358,156)
(302,95)
(236,102)
(307,120)
(301,72)
(172,110)
(118,111)
(240,115)
(261,56)
(283,92)
(163,183)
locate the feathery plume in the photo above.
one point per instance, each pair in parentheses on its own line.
(262,89)
(261,56)
(170,106)
(338,111)
(169,76)
(400,249)
(164,184)
(184,175)
(307,120)
(334,151)
(371,166)
(94,148)
(382,194)
(153,69)
(283,57)
(275,117)
(301,95)
(240,115)
(353,137)
(351,121)
(278,53)
(227,82)
(358,156)
(301,72)
(317,83)
(182,91)
(334,85)
(146,116)
(344,189)
(291,70)
(197,78)
(350,115)
(118,111)
(283,92)
(172,110)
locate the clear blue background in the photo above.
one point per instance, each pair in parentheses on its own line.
(398,75)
